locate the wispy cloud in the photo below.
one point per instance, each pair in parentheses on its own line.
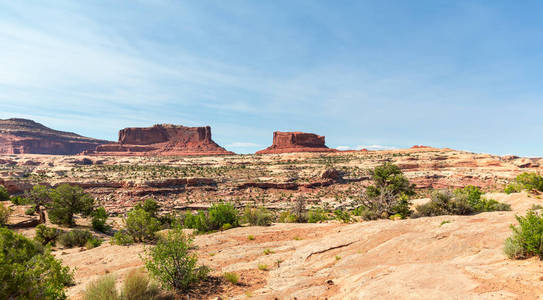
(242,145)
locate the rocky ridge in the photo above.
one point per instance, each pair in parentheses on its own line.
(22,136)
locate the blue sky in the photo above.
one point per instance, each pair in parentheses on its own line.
(459,74)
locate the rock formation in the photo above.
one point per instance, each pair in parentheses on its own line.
(21,136)
(285,142)
(162,139)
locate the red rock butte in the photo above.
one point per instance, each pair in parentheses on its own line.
(286,142)
(162,139)
(22,136)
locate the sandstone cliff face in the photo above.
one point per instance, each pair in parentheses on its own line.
(164,139)
(285,142)
(21,136)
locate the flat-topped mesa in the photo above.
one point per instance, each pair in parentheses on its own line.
(163,139)
(286,142)
(22,136)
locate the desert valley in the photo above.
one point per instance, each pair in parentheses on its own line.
(319,238)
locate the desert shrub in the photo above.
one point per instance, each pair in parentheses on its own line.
(389,195)
(231,277)
(316,215)
(141,226)
(219,216)
(197,221)
(121,238)
(150,206)
(287,217)
(342,215)
(102,288)
(4,195)
(530,181)
(74,238)
(137,286)
(299,210)
(222,213)
(526,240)
(30,211)
(99,218)
(257,216)
(172,263)
(512,188)
(93,242)
(464,201)
(29,272)
(46,235)
(67,200)
(19,200)
(4,214)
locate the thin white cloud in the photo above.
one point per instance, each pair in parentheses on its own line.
(374,147)
(343,148)
(242,145)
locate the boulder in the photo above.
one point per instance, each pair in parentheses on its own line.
(162,139)
(285,142)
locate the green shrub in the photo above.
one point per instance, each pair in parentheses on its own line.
(24,263)
(226,226)
(263,267)
(172,263)
(150,206)
(222,213)
(102,288)
(365,213)
(530,181)
(46,235)
(526,240)
(389,195)
(287,217)
(257,216)
(317,215)
(464,201)
(30,211)
(512,188)
(137,286)
(18,200)
(93,243)
(231,277)
(198,221)
(74,238)
(141,226)
(122,238)
(67,200)
(4,195)
(342,215)
(99,218)
(4,214)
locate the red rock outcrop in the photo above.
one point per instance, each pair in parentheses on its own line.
(162,139)
(21,136)
(286,142)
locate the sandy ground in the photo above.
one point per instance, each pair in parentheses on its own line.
(447,257)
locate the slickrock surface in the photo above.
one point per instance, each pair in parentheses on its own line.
(286,142)
(162,139)
(446,257)
(21,136)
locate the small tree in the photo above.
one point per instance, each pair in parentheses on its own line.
(28,272)
(40,196)
(67,200)
(384,198)
(172,263)
(4,195)
(4,214)
(141,226)
(99,218)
